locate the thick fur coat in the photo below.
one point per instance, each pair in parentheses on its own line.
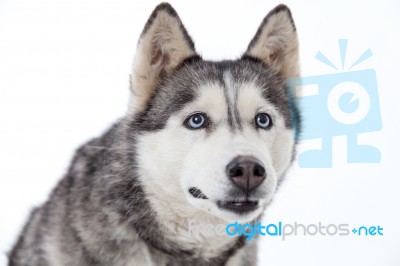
(128,196)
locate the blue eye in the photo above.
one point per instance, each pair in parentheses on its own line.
(196,121)
(263,121)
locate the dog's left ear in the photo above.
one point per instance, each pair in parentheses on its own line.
(276,44)
(163,45)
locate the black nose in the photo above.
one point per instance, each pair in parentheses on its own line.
(246,172)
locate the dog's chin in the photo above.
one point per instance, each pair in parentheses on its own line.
(241,211)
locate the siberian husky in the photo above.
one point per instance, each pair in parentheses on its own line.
(202,140)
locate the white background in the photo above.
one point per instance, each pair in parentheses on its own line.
(64,71)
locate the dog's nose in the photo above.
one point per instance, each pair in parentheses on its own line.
(246,172)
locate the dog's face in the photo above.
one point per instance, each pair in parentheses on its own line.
(215,136)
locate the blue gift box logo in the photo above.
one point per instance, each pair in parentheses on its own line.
(344,103)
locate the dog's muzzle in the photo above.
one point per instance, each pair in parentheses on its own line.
(246,174)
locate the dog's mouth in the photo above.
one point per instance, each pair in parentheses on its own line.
(196,193)
(239,207)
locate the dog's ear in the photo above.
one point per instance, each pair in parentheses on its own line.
(276,44)
(163,45)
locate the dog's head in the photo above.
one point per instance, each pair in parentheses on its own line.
(215,137)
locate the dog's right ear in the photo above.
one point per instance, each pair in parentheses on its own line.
(163,45)
(276,44)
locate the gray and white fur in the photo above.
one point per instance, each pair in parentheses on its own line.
(129,195)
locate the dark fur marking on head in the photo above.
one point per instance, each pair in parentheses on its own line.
(233,115)
(174,92)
